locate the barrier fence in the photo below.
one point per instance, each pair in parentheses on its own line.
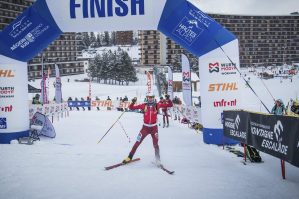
(273,134)
(49,110)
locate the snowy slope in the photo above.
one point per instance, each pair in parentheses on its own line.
(72,164)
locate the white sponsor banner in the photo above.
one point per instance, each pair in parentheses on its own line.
(192,113)
(186,81)
(170,83)
(78,15)
(110,104)
(48,109)
(47,127)
(219,83)
(149,84)
(13,110)
(58,94)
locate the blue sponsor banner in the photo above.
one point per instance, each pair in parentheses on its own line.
(3,123)
(216,136)
(79,103)
(29,33)
(191,28)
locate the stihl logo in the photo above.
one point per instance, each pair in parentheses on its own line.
(6,73)
(223,87)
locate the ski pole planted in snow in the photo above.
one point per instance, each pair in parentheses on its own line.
(111,127)
(124,131)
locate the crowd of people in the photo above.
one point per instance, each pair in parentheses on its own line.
(291,109)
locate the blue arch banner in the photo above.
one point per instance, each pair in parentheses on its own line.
(46,20)
(191,28)
(30,33)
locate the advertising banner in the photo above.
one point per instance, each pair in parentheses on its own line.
(47,130)
(235,125)
(149,84)
(29,33)
(46,20)
(272,134)
(219,83)
(170,83)
(58,93)
(48,109)
(186,81)
(14,118)
(99,15)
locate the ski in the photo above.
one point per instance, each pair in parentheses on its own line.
(163,168)
(121,164)
(166,170)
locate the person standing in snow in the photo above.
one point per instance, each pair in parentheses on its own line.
(176,101)
(278,108)
(150,111)
(165,110)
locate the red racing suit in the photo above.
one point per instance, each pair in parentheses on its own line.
(149,125)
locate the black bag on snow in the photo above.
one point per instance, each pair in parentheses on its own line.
(253,154)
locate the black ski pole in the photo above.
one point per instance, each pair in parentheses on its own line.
(111,127)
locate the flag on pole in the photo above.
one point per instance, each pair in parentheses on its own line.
(58,93)
(186,81)
(149,83)
(44,96)
(48,81)
(170,83)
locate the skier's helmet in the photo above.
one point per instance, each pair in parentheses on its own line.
(150,96)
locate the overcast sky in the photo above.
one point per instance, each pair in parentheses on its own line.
(248,7)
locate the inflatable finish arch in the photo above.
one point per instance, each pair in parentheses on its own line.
(180,20)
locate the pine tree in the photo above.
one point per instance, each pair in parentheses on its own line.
(85,40)
(113,38)
(106,40)
(92,39)
(98,40)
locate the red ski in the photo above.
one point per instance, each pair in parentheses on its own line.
(121,164)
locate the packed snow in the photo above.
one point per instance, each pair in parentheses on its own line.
(72,164)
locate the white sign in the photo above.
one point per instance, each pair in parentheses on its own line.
(78,15)
(13,75)
(219,83)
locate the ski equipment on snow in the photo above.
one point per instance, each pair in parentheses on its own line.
(121,164)
(163,168)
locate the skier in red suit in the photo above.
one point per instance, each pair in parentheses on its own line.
(150,109)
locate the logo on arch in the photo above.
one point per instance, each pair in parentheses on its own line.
(188,30)
(214,67)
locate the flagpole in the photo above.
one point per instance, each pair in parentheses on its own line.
(42,82)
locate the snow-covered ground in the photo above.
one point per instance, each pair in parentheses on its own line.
(72,164)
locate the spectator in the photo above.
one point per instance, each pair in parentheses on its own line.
(35,99)
(177,102)
(295,107)
(278,108)
(97,99)
(82,99)
(76,99)
(89,100)
(70,99)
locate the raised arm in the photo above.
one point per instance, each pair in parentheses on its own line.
(132,106)
(166,105)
